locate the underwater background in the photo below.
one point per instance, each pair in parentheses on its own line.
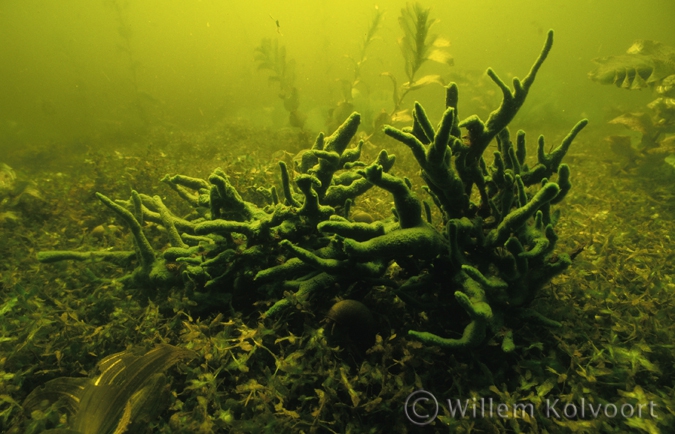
(198,235)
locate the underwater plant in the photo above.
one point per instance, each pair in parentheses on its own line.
(418,46)
(645,65)
(475,272)
(12,191)
(272,57)
(349,87)
(141,99)
(124,397)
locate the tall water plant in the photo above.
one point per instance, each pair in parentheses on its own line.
(350,87)
(271,56)
(417,46)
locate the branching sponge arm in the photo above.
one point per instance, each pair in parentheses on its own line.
(146,253)
(483,133)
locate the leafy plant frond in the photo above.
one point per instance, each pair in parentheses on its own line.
(369,37)
(272,57)
(417,44)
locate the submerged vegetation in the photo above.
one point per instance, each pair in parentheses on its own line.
(418,46)
(271,56)
(350,87)
(645,65)
(314,292)
(494,254)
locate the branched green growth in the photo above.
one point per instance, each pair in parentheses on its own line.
(525,261)
(489,259)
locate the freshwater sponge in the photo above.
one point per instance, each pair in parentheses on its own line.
(485,261)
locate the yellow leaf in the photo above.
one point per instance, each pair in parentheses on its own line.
(441,56)
(374,404)
(427,80)
(291,414)
(544,388)
(401,116)
(441,42)
(353,394)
